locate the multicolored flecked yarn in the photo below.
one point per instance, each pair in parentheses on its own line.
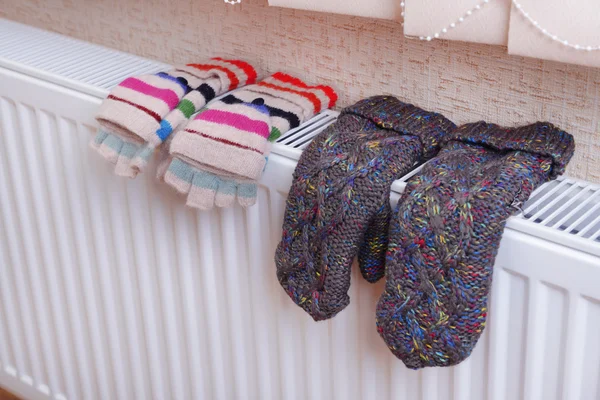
(373,248)
(445,234)
(341,183)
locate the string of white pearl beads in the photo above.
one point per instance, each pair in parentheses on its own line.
(460,20)
(550,35)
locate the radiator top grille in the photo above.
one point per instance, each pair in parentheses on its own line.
(294,141)
(566,210)
(563,206)
(567,205)
(74,63)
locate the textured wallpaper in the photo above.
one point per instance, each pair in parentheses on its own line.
(360,57)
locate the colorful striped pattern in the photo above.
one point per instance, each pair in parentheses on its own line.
(233,135)
(327,90)
(244,66)
(138,106)
(238,121)
(241,126)
(149,108)
(224,141)
(170,98)
(181,82)
(293,89)
(233,80)
(187,108)
(206,81)
(292,119)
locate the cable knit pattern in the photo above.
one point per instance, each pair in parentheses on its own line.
(341,183)
(445,235)
(541,138)
(390,113)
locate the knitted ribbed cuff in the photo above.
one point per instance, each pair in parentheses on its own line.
(541,138)
(231,73)
(149,107)
(311,99)
(218,154)
(129,121)
(390,113)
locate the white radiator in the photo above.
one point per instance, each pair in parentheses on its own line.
(113,289)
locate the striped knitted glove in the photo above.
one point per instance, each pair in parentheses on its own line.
(341,187)
(220,155)
(446,231)
(141,112)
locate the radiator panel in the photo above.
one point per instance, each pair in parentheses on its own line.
(112,288)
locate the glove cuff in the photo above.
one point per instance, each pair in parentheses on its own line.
(540,138)
(388,112)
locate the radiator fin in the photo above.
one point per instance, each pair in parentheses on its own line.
(566,205)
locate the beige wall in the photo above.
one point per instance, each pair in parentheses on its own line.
(360,57)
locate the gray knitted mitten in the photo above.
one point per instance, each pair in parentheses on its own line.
(445,234)
(342,182)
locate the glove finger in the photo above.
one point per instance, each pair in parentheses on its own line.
(247,194)
(371,255)
(203,191)
(226,193)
